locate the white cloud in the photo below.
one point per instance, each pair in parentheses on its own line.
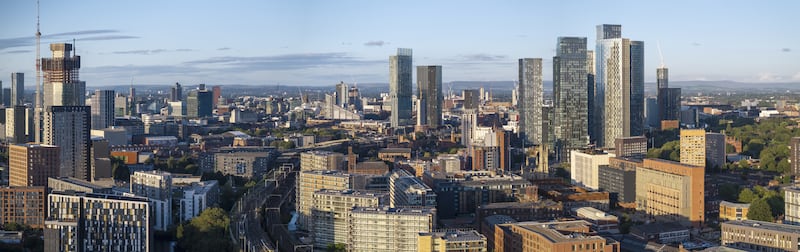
(796,77)
(769,77)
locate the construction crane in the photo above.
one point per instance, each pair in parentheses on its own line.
(38,108)
(658,44)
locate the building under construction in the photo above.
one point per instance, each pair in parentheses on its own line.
(62,86)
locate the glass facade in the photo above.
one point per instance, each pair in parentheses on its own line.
(531,99)
(569,90)
(400,82)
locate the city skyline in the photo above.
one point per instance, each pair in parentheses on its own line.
(320,43)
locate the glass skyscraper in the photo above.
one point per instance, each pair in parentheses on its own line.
(570,99)
(531,100)
(429,83)
(400,82)
(619,79)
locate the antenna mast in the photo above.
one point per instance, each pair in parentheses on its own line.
(39,107)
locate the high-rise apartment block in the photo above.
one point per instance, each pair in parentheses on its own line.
(97,222)
(794,155)
(32,164)
(693,147)
(156,186)
(16,121)
(669,100)
(242,161)
(531,90)
(23,205)
(321,161)
(406,190)
(715,150)
(17,89)
(102,109)
(389,229)
(73,140)
(620,85)
(308,182)
(331,214)
(569,90)
(671,191)
(400,85)
(429,83)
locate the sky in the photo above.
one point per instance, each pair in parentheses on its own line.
(323,42)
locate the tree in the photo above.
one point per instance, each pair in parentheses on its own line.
(760,211)
(729,192)
(119,170)
(337,247)
(747,196)
(207,232)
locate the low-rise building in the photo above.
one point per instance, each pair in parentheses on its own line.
(407,190)
(602,222)
(452,240)
(668,232)
(733,211)
(390,154)
(753,235)
(321,161)
(64,184)
(551,236)
(585,165)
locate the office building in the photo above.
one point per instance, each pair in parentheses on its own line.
(216,92)
(753,235)
(794,155)
(620,82)
(585,167)
(156,186)
(472,98)
(715,150)
(631,147)
(176,93)
(322,161)
(63,184)
(429,83)
(15,125)
(792,205)
(6,96)
(331,213)
(340,98)
(103,109)
(400,85)
(551,236)
(531,92)
(671,192)
(451,240)
(240,163)
(100,156)
(669,100)
(569,89)
(591,98)
(389,229)
(309,182)
(73,141)
(733,211)
(199,102)
(121,106)
(32,164)
(693,147)
(97,222)
(406,190)
(22,205)
(651,118)
(619,178)
(17,89)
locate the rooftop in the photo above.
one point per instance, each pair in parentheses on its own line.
(456,235)
(550,230)
(765,225)
(396,211)
(734,205)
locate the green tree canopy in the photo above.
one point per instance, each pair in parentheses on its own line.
(747,196)
(207,232)
(760,211)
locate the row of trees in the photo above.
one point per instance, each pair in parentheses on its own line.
(765,204)
(206,232)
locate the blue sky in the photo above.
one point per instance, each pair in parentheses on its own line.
(324,42)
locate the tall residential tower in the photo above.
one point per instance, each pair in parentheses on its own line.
(400,83)
(531,92)
(570,99)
